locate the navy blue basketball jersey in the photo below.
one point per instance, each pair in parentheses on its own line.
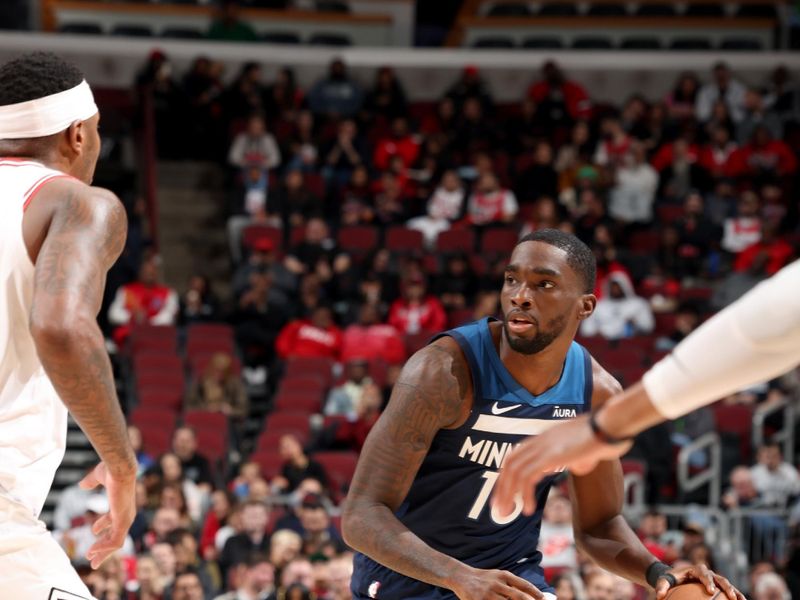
(448,505)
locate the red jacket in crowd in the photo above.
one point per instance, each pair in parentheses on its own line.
(428,315)
(715,159)
(665,156)
(778,252)
(775,156)
(374,341)
(301,338)
(576,99)
(407,148)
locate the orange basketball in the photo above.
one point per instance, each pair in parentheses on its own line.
(692,591)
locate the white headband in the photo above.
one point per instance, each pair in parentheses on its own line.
(48,115)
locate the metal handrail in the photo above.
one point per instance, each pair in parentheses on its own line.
(711,475)
(785,434)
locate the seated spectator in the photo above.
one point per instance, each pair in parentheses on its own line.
(387,96)
(687,319)
(715,156)
(313,337)
(744,229)
(620,313)
(572,156)
(540,177)
(297,466)
(742,491)
(187,586)
(263,259)
(725,88)
(249,474)
(342,398)
(491,203)
(458,285)
(344,154)
(171,495)
(568,586)
(283,97)
(470,85)
(771,586)
(634,191)
(318,531)
(776,480)
(389,200)
(301,143)
(652,530)
(199,303)
(293,201)
(297,580)
(679,170)
(401,142)
(253,538)
(284,546)
(546,214)
(757,114)
(260,314)
(219,389)
(184,546)
(765,257)
(144,301)
(474,132)
(560,100)
(762,157)
(487,304)
(356,199)
(696,235)
(316,252)
(445,206)
(291,520)
(196,467)
(73,503)
(257,581)
(352,434)
(164,557)
(245,96)
(416,310)
(337,95)
(193,497)
(557,540)
(340,571)
(600,585)
(369,337)
(149,583)
(77,540)
(255,147)
(614,144)
(227,25)
(216,518)
(681,100)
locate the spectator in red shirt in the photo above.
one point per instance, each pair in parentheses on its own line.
(144,302)
(490,202)
(765,257)
(369,338)
(614,145)
(416,311)
(762,156)
(400,143)
(317,336)
(554,91)
(715,156)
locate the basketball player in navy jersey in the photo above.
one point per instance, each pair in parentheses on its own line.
(419,510)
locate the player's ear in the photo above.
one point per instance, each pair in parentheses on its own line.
(76,136)
(586,308)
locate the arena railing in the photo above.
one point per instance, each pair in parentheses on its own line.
(710,475)
(785,435)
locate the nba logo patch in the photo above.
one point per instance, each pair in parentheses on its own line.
(372,590)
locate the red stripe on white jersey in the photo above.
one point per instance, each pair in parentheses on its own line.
(31,193)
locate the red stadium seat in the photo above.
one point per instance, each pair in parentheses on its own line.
(459,317)
(270,440)
(145,417)
(166,380)
(456,240)
(251,233)
(315,184)
(285,420)
(303,366)
(665,323)
(621,357)
(644,242)
(339,466)
(401,239)
(209,345)
(150,338)
(158,397)
(209,330)
(417,341)
(499,241)
(299,401)
(205,419)
(156,440)
(669,213)
(736,420)
(270,463)
(157,362)
(213,444)
(358,239)
(308,385)
(199,361)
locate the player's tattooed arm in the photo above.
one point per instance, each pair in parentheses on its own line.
(431,394)
(86,234)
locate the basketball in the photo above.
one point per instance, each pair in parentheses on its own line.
(692,591)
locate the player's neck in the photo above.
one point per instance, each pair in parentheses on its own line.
(538,372)
(36,151)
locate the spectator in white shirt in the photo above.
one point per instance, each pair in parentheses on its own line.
(557,538)
(777,481)
(620,313)
(743,230)
(255,147)
(632,197)
(724,87)
(77,541)
(444,206)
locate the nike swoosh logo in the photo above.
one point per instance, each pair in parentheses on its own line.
(496,410)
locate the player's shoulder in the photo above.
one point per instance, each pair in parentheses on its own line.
(74,200)
(439,360)
(604,384)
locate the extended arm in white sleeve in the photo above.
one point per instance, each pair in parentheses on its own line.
(755,339)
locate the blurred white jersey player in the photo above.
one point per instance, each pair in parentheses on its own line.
(58,237)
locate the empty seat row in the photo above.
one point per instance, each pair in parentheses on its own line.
(631,43)
(188,33)
(693,9)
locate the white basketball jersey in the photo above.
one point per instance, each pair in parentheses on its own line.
(33,420)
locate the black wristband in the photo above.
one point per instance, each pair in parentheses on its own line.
(656,571)
(602,435)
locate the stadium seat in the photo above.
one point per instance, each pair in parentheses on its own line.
(172,381)
(132,31)
(358,239)
(330,39)
(499,240)
(311,384)
(621,357)
(736,421)
(669,213)
(251,233)
(641,43)
(145,417)
(150,338)
(309,402)
(459,317)
(81,28)
(558,9)
(281,37)
(415,341)
(205,419)
(156,440)
(209,345)
(690,44)
(285,420)
(210,330)
(705,9)
(741,44)
(270,462)
(607,10)
(339,466)
(757,11)
(645,242)
(456,240)
(402,239)
(655,10)
(302,366)
(199,361)
(149,362)
(592,43)
(509,9)
(159,397)
(182,33)
(543,43)
(493,42)
(213,444)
